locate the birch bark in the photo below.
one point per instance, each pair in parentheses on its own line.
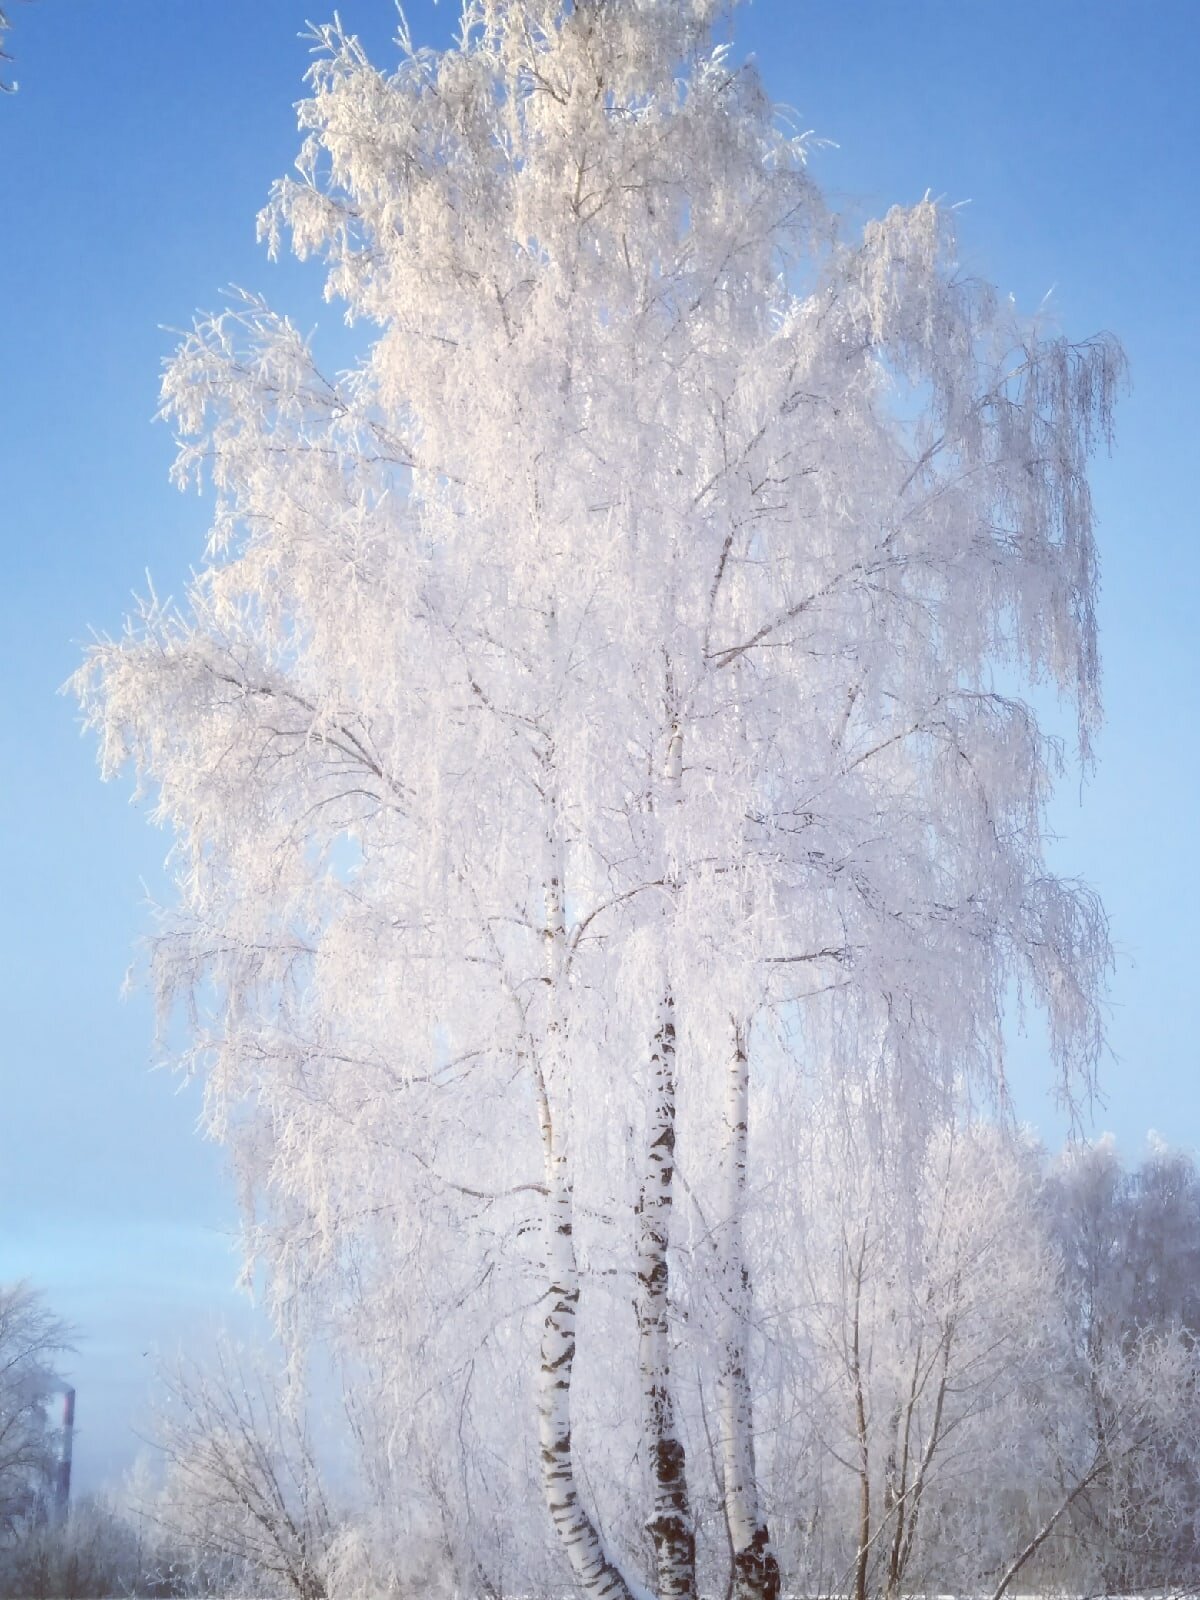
(670,1524)
(755,1568)
(579,1536)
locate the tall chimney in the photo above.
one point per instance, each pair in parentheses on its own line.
(62,1478)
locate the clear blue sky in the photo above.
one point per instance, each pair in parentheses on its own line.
(132,163)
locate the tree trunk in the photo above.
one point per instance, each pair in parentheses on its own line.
(580,1538)
(755,1569)
(670,1524)
(860,1424)
(670,1521)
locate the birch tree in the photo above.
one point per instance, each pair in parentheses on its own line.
(598,676)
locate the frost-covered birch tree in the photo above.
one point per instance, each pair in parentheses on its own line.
(616,669)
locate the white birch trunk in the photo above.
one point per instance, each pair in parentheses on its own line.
(755,1569)
(581,1540)
(670,1523)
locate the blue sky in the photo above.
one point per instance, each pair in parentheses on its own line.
(132,162)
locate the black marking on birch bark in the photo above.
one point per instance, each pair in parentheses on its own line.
(755,1570)
(563,1360)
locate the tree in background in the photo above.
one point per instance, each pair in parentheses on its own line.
(104,1547)
(944,1422)
(923,1304)
(32,1341)
(242,1487)
(1129,1242)
(587,720)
